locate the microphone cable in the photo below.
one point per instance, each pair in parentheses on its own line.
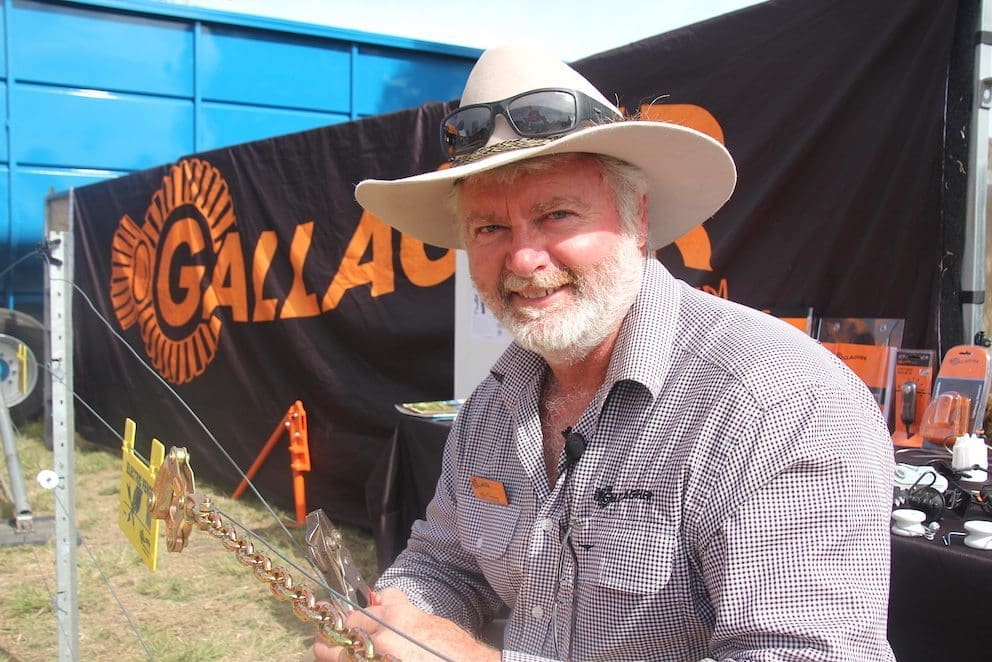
(575,446)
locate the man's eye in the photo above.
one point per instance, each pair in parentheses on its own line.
(558,214)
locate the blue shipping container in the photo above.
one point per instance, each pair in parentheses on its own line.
(94,89)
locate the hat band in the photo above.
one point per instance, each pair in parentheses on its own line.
(502,146)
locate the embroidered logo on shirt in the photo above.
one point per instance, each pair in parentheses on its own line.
(604,496)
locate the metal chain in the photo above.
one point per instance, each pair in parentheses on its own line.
(175,500)
(326,615)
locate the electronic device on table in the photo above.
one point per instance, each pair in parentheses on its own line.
(912,385)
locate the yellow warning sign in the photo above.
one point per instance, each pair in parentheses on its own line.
(137,480)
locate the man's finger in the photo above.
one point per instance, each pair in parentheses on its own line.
(360,619)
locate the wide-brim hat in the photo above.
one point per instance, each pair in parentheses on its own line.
(690,175)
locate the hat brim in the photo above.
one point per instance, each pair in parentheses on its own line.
(690,176)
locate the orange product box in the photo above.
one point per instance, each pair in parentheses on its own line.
(915,366)
(873,364)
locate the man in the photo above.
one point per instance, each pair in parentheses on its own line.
(649,472)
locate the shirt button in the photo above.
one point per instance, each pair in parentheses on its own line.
(537,611)
(548,525)
(479,543)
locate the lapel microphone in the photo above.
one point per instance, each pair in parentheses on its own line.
(575,446)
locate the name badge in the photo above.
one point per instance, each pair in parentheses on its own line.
(489,490)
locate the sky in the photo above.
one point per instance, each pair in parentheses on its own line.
(572,29)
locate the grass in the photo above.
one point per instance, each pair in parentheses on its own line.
(201,604)
(27,601)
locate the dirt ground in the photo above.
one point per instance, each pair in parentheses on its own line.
(201,604)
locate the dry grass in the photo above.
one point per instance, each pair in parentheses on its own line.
(201,604)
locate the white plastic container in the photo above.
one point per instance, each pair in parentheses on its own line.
(970,451)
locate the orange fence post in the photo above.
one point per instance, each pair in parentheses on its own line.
(299,458)
(294,423)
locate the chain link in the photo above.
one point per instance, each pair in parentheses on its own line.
(175,500)
(326,615)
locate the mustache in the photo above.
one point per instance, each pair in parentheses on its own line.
(545,280)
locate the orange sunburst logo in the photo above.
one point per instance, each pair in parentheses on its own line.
(160,269)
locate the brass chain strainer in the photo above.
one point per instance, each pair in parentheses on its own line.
(175,501)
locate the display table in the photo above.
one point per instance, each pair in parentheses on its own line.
(402,483)
(938,596)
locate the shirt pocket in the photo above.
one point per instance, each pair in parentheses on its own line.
(487,528)
(628,567)
(633,557)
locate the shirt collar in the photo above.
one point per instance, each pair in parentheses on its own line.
(647,335)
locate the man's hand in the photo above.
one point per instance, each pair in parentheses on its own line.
(395,609)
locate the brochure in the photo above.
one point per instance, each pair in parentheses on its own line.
(435,409)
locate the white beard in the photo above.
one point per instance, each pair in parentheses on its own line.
(568,332)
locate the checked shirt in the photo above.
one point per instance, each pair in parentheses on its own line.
(732,501)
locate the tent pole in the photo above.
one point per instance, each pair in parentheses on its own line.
(973,264)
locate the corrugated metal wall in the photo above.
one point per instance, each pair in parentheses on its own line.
(93,90)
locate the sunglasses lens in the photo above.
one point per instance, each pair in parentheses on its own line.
(466,129)
(543,113)
(532,115)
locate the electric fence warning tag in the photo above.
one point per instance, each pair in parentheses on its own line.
(137,481)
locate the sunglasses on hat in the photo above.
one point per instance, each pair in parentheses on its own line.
(534,114)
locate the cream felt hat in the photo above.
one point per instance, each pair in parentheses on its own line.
(690,175)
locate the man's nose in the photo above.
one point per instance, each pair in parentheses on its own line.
(527,253)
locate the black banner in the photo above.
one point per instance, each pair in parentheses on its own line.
(249,278)
(834,113)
